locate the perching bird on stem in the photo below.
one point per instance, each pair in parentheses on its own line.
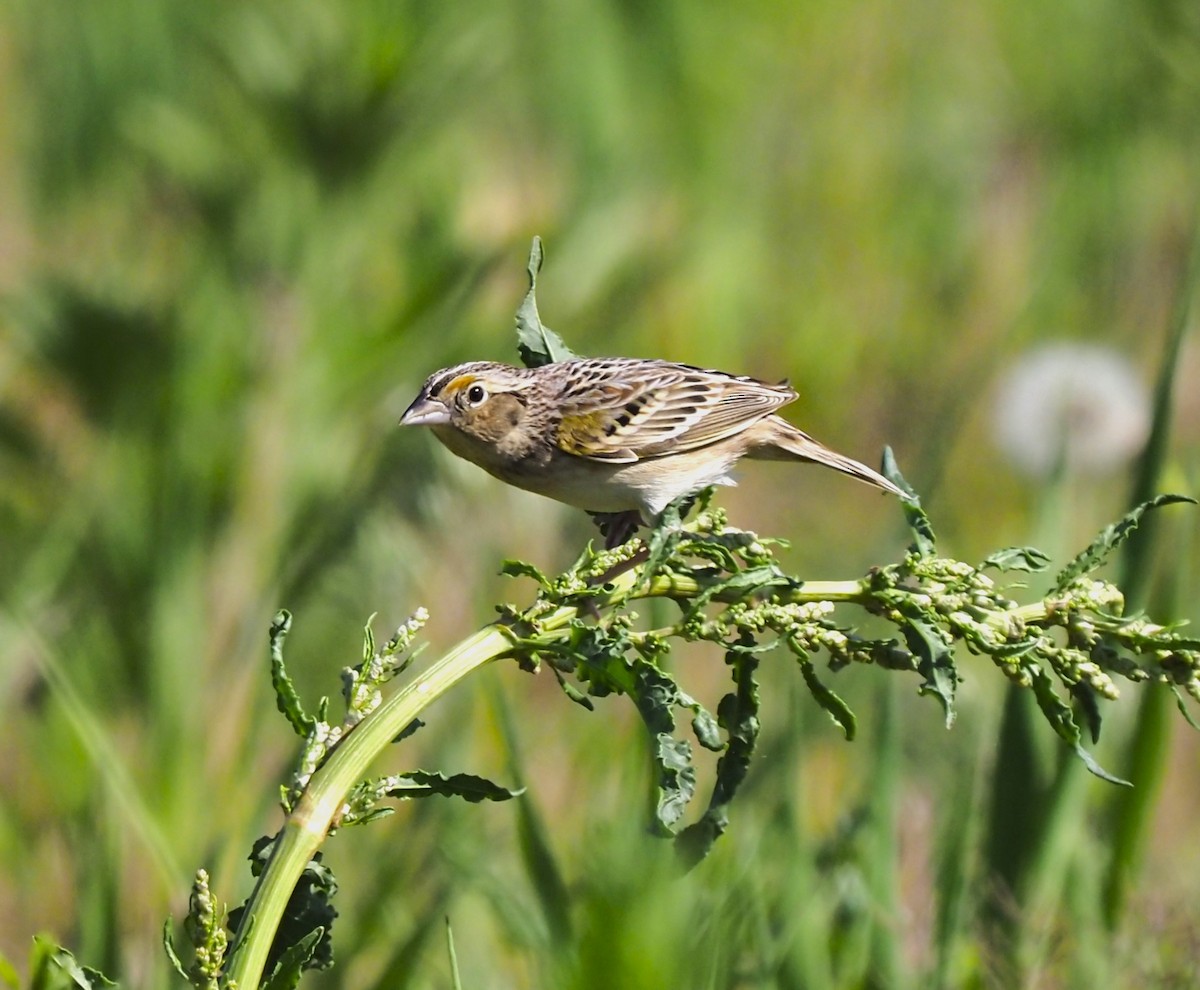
(619,437)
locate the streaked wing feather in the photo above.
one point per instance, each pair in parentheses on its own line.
(622,411)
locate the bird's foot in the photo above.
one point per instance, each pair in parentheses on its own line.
(617,527)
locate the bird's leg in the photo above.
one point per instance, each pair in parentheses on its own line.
(617,527)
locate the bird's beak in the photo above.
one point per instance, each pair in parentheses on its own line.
(425,412)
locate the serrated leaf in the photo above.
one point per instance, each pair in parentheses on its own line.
(836,708)
(716,553)
(598,657)
(294,961)
(656,695)
(308,908)
(676,779)
(707,730)
(286,698)
(424,783)
(739,585)
(922,529)
(1056,711)
(935,662)
(1009,651)
(54,968)
(520,568)
(737,714)
(665,536)
(752,580)
(1029,559)
(1110,538)
(537,343)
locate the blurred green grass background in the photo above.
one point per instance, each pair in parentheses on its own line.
(234,239)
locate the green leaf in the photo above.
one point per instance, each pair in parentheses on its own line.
(572,692)
(374,815)
(1055,709)
(1110,538)
(1181,703)
(1029,559)
(286,698)
(1009,651)
(922,529)
(8,972)
(294,961)
(656,695)
(1089,761)
(1058,713)
(537,343)
(598,657)
(738,585)
(519,568)
(707,730)
(455,977)
(665,536)
(737,714)
(1085,697)
(838,710)
(424,783)
(602,662)
(935,662)
(308,909)
(168,943)
(54,968)
(676,779)
(369,641)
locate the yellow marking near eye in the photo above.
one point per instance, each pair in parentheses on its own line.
(461,382)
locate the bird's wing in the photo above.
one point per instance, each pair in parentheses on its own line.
(625,410)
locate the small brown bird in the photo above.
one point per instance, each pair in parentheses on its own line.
(619,437)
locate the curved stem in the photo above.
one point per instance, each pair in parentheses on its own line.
(323,799)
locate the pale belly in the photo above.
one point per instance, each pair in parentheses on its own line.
(647,486)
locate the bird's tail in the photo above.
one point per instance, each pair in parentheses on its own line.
(785,442)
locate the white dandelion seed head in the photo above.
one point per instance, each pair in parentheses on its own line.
(1081,406)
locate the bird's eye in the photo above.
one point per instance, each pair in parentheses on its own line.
(476,394)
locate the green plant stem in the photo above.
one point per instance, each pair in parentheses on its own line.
(323,800)
(317,810)
(675,585)
(547,623)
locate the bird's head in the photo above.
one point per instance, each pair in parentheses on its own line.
(483,400)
